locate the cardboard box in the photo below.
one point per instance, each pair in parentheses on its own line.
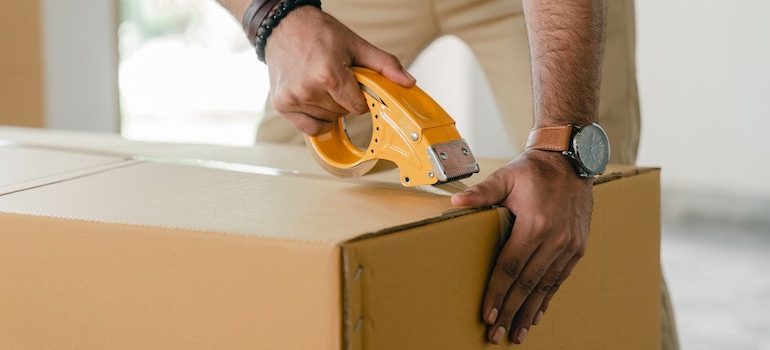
(21,63)
(115,252)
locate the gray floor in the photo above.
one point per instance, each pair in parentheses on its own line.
(719,276)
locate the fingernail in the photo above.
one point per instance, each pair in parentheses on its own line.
(538,317)
(497,336)
(521,335)
(492,316)
(406,72)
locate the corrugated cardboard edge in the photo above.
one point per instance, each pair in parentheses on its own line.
(352,270)
(633,171)
(506,217)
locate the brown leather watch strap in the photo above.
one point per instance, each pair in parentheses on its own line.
(550,138)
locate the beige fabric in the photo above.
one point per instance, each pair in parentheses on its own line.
(668,336)
(496,33)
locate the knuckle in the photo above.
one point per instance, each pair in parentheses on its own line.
(481,188)
(359,105)
(526,286)
(328,80)
(282,101)
(302,95)
(580,249)
(512,269)
(563,241)
(540,223)
(496,298)
(311,127)
(544,288)
(556,285)
(392,60)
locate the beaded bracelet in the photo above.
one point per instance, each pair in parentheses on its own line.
(254,15)
(258,35)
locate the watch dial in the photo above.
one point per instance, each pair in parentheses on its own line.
(592,148)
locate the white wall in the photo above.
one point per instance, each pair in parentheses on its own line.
(448,71)
(81,64)
(704,79)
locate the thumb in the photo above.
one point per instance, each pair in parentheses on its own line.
(368,56)
(492,190)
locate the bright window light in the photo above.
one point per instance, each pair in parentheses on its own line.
(188,74)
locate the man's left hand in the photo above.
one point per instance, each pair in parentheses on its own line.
(552,206)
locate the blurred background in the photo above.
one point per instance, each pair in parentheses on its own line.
(182,71)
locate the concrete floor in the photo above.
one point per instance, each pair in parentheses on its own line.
(719,276)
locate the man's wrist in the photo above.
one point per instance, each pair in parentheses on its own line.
(263,16)
(587,146)
(578,119)
(555,164)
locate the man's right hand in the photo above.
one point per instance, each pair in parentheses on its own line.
(309,56)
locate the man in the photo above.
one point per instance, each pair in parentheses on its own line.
(310,54)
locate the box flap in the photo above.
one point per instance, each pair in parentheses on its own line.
(25,167)
(220,189)
(203,199)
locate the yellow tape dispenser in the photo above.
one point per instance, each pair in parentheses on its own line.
(408,128)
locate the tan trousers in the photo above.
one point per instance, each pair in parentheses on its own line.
(496,33)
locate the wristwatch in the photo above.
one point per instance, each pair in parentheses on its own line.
(587,146)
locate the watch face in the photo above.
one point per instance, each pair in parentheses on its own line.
(592,148)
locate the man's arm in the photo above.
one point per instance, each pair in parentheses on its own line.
(566,41)
(551,203)
(310,56)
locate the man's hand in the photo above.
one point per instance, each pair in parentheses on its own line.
(552,206)
(309,57)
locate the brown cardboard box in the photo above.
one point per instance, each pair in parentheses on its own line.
(179,249)
(21,63)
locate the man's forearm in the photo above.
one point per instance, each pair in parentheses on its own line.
(566,43)
(235,7)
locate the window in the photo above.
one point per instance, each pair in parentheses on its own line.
(187,73)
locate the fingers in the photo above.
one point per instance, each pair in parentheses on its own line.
(533,309)
(555,287)
(518,291)
(497,313)
(308,124)
(312,113)
(529,313)
(319,113)
(346,92)
(493,190)
(369,56)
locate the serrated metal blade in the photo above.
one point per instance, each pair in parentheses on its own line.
(452,186)
(444,188)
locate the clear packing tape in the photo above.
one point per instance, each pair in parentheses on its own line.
(129,159)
